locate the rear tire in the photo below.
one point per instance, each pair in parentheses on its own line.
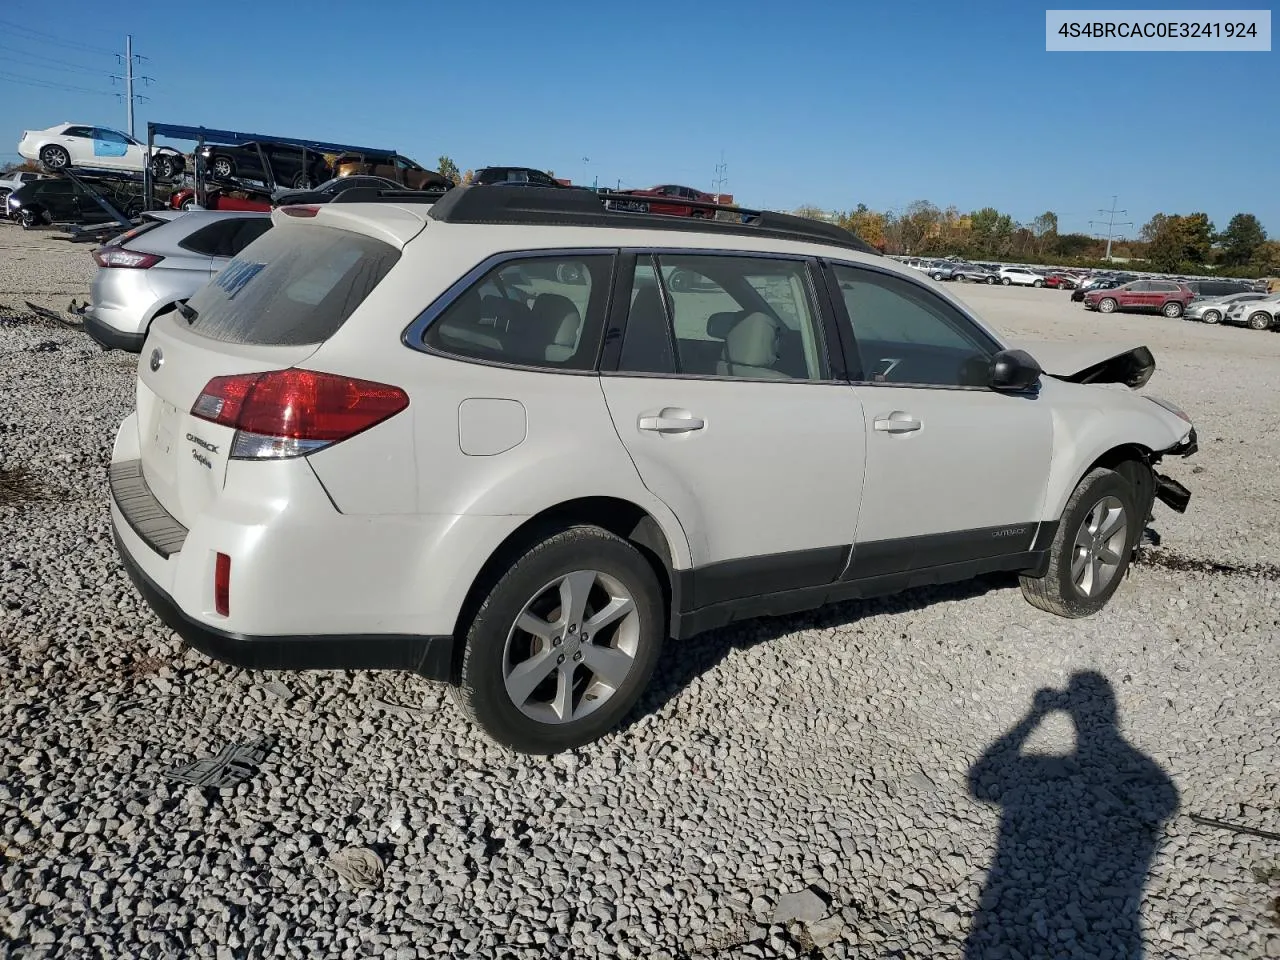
(1260,320)
(500,655)
(1092,548)
(165,167)
(1172,310)
(936,276)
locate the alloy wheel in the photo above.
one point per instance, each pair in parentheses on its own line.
(572,647)
(1099,546)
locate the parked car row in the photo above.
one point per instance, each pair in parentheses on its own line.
(1194,300)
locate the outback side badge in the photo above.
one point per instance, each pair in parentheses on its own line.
(156,361)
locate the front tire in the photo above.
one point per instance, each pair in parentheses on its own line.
(1212,316)
(1038,283)
(1172,310)
(1107,305)
(564,643)
(1006,281)
(991,280)
(1260,320)
(222,168)
(55,157)
(1091,550)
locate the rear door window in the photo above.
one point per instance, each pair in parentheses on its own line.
(538,311)
(292,286)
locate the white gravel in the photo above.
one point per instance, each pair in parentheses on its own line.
(830,756)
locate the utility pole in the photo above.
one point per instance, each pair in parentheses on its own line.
(128,60)
(721,178)
(1111,223)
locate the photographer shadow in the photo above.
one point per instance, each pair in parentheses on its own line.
(1078,833)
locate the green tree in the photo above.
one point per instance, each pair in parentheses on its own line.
(1045,225)
(1241,240)
(447,168)
(917,225)
(992,231)
(866,223)
(1178,242)
(1199,233)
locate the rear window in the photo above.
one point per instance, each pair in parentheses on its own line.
(292,286)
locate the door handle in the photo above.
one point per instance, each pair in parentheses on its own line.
(671,420)
(897,422)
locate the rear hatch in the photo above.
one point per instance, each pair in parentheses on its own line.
(269,310)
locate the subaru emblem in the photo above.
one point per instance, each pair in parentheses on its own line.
(157,358)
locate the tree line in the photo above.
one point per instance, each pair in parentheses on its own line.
(1174,243)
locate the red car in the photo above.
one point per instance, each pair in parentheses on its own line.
(1062,281)
(216,199)
(665,199)
(1163,296)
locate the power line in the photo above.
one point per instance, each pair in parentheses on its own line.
(37,62)
(39,36)
(49,84)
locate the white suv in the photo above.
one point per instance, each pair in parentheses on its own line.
(1020,276)
(513,441)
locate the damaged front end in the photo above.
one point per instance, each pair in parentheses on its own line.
(1169,491)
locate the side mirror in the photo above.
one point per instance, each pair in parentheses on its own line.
(1014,371)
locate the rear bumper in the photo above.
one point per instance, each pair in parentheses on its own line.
(316,602)
(431,657)
(109,338)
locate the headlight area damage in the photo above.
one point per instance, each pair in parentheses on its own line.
(1100,363)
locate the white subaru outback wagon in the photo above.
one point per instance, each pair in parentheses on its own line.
(513,440)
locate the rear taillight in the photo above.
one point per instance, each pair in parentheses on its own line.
(222,585)
(290,413)
(118,257)
(301,210)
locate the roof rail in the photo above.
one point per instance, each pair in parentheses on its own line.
(577,206)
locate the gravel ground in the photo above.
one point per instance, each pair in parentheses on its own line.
(877,779)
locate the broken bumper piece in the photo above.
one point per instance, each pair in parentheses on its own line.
(1172,494)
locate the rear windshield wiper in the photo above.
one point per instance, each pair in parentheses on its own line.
(187,313)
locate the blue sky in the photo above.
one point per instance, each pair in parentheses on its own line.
(811,103)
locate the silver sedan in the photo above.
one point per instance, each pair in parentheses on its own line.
(1213,309)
